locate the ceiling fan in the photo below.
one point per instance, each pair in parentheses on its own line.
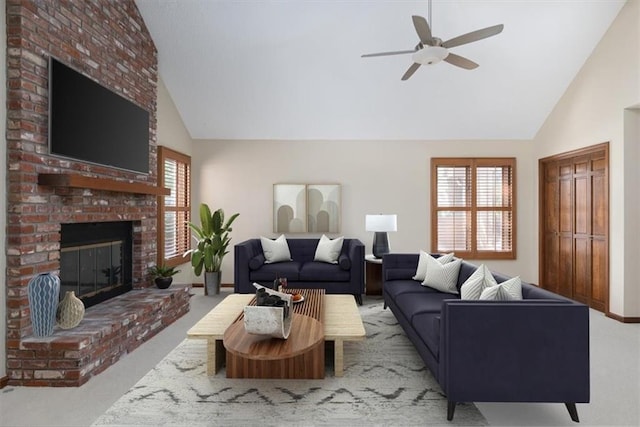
(431,50)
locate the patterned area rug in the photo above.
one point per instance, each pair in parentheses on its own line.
(385,383)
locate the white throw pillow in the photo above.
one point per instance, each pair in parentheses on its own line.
(275,250)
(508,290)
(421,271)
(476,283)
(443,278)
(328,250)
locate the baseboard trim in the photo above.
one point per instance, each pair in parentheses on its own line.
(4,381)
(622,318)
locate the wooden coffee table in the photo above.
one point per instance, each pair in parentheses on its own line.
(341,322)
(300,356)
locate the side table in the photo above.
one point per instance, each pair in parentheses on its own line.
(373,275)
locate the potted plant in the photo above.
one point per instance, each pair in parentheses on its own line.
(212,239)
(162,275)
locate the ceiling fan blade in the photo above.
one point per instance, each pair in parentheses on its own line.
(423,30)
(411,70)
(460,61)
(398,52)
(473,36)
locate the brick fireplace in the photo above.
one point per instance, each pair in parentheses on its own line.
(108,41)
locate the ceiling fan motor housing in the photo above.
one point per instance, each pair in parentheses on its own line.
(430,55)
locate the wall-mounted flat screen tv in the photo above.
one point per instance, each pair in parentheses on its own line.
(91,123)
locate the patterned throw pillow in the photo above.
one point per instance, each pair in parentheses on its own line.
(328,250)
(476,283)
(421,271)
(509,290)
(443,278)
(275,250)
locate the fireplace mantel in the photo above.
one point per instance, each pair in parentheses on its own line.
(94,183)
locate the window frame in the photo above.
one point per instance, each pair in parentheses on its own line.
(473,209)
(165,153)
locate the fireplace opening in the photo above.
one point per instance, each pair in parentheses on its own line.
(96,260)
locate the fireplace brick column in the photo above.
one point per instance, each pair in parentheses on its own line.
(108,41)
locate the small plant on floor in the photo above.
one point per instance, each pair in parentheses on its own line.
(162,275)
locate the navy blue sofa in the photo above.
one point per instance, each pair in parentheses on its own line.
(534,350)
(346,277)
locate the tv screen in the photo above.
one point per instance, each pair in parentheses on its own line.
(91,123)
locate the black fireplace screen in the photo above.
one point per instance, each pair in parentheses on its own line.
(95,260)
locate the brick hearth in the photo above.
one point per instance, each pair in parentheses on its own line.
(108,331)
(109,42)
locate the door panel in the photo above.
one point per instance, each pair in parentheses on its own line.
(581,269)
(598,206)
(551,278)
(599,274)
(565,206)
(581,189)
(565,267)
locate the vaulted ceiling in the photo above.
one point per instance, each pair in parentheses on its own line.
(293,69)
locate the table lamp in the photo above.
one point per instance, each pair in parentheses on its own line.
(380,224)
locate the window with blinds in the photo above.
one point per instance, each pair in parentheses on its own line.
(473,207)
(174,171)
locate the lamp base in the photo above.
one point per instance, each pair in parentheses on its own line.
(380,244)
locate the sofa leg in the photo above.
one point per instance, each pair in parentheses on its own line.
(358,298)
(451,407)
(573,412)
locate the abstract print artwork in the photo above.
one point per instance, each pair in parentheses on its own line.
(301,208)
(289,208)
(323,208)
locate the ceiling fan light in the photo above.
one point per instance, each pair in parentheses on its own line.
(430,55)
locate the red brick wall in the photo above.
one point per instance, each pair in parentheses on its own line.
(108,41)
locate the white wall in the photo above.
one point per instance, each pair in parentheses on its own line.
(632,209)
(592,111)
(376,177)
(172,133)
(3,190)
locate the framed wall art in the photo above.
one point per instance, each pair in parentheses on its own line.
(289,208)
(323,208)
(306,208)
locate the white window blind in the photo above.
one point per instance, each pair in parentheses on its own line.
(473,207)
(175,208)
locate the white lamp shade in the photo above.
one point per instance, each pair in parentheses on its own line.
(381,222)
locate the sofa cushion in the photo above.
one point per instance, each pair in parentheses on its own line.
(442,277)
(269,272)
(323,272)
(421,270)
(256,262)
(427,326)
(413,304)
(328,250)
(506,291)
(481,279)
(275,250)
(407,286)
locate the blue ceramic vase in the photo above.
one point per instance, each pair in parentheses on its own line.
(43,291)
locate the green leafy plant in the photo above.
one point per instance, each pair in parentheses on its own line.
(212,238)
(162,271)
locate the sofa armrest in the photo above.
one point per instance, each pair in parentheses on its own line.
(356,255)
(526,351)
(243,252)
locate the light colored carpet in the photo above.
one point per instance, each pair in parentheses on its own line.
(385,383)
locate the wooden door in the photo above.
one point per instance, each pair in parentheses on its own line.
(574,225)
